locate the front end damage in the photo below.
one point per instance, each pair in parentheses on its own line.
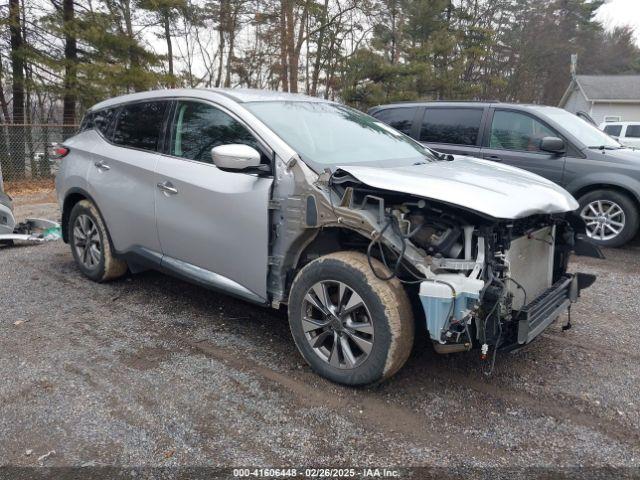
(481,282)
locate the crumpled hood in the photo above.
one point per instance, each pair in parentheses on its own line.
(499,191)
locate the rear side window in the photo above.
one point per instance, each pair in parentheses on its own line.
(103,120)
(139,125)
(517,131)
(457,126)
(613,130)
(199,127)
(87,122)
(633,131)
(398,118)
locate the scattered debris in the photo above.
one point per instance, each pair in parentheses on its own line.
(33,230)
(169,453)
(28,452)
(20,322)
(42,458)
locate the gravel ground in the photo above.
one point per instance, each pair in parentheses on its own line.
(149,370)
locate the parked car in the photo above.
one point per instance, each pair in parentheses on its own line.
(283,199)
(627,133)
(551,142)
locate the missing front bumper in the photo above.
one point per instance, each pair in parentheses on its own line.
(544,310)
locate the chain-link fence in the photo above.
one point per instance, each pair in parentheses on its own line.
(26,154)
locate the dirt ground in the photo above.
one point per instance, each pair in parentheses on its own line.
(149,370)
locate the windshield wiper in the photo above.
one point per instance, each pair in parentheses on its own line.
(442,156)
(605,147)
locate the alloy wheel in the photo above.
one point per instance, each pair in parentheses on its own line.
(337,324)
(86,241)
(605,219)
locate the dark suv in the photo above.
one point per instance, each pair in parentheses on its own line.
(601,173)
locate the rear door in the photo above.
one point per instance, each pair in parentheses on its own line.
(454,130)
(209,218)
(121,176)
(513,137)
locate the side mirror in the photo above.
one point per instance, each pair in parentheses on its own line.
(552,145)
(235,157)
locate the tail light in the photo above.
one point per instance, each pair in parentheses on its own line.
(60,151)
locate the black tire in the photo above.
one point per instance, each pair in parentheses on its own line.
(628,207)
(107,267)
(386,304)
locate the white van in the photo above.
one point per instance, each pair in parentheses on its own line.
(627,133)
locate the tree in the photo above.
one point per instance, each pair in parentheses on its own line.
(16,168)
(166,13)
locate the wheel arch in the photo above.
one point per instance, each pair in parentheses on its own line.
(72,197)
(325,240)
(616,187)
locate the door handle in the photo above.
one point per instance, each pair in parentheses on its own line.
(168,188)
(102,166)
(493,158)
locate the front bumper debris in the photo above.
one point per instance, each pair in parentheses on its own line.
(34,230)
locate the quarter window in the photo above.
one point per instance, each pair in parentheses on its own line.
(87,122)
(139,125)
(457,126)
(633,131)
(103,119)
(399,118)
(199,127)
(517,131)
(613,130)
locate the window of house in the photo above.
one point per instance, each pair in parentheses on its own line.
(139,125)
(199,127)
(517,131)
(458,126)
(399,118)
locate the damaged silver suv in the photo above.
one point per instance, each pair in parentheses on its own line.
(366,235)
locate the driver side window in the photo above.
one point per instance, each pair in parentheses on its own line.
(517,131)
(199,127)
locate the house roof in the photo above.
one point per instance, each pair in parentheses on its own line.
(606,88)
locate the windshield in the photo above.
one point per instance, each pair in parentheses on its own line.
(583,131)
(326,135)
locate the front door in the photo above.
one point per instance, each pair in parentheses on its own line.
(216,221)
(514,139)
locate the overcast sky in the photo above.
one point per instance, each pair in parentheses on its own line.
(618,13)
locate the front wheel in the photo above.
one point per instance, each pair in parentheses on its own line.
(611,217)
(350,326)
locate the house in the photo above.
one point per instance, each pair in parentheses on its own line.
(606,98)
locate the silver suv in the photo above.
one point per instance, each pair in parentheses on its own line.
(288,200)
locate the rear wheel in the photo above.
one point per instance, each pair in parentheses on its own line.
(91,245)
(611,217)
(350,326)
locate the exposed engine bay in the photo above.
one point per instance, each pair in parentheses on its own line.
(482,282)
